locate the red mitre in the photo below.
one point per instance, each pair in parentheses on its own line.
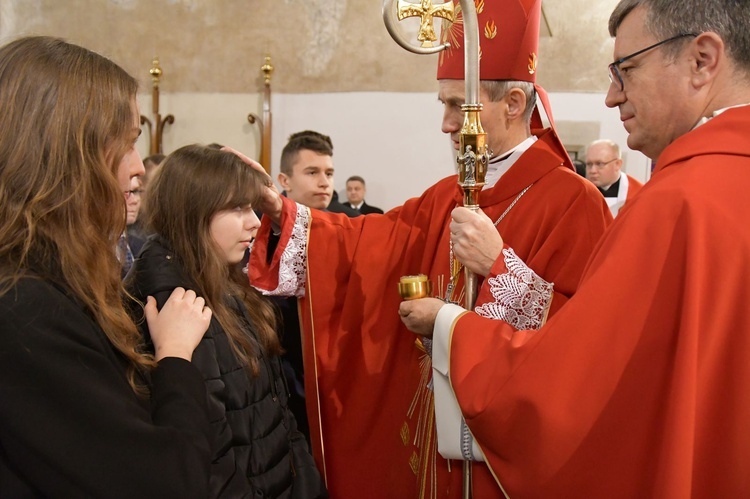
(508,41)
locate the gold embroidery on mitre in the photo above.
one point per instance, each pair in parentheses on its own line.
(533,59)
(405,433)
(453,34)
(414,463)
(490,30)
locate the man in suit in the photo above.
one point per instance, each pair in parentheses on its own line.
(355,193)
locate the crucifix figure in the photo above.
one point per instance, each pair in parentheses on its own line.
(426,11)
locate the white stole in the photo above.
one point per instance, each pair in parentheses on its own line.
(622,195)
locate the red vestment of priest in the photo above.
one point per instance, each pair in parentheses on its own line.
(639,386)
(362,368)
(633,187)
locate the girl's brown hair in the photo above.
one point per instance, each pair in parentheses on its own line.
(191,186)
(69,119)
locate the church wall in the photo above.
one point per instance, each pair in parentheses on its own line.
(336,70)
(391,139)
(317,46)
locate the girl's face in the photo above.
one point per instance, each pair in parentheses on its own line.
(131,165)
(233,230)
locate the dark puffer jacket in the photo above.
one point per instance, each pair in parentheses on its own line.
(257,450)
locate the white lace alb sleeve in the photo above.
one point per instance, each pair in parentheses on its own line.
(521,296)
(293,263)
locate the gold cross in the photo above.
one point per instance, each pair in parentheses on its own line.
(426,12)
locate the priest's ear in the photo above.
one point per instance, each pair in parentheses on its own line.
(516,101)
(708,57)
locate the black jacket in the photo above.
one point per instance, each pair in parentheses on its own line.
(257,450)
(365,209)
(337,207)
(71,425)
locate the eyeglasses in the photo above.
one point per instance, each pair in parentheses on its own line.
(599,164)
(614,68)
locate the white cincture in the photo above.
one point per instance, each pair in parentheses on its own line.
(521,298)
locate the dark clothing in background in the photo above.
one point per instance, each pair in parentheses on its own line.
(336,206)
(257,450)
(611,191)
(365,209)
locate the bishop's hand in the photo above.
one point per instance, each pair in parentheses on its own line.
(419,315)
(271,203)
(476,241)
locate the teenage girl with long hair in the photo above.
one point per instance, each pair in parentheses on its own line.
(200,208)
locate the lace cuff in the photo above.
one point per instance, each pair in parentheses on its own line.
(293,262)
(521,296)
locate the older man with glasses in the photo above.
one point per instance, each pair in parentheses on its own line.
(604,170)
(637,389)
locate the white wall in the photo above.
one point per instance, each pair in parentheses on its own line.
(393,140)
(591,108)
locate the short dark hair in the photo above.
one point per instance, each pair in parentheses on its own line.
(667,18)
(305,140)
(355,178)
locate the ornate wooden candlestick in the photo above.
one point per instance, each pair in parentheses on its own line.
(265,124)
(156,128)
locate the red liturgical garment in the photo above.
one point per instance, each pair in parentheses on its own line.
(365,380)
(638,387)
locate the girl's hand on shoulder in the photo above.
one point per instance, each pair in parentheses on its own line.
(178,328)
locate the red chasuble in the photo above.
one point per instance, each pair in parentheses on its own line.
(365,378)
(633,187)
(641,388)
